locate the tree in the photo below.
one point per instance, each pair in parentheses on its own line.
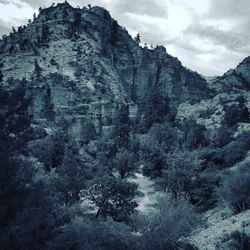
(172,220)
(161,141)
(193,134)
(48,108)
(112,196)
(77,21)
(121,126)
(155,108)
(244,112)
(179,172)
(137,39)
(34,16)
(88,132)
(45,33)
(114,33)
(234,189)
(124,163)
(37,70)
(26,206)
(1,75)
(71,175)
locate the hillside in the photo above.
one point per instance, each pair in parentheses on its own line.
(108,144)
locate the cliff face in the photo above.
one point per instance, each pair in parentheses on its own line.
(84,63)
(235,80)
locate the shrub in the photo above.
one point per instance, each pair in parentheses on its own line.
(88,132)
(234,190)
(237,240)
(236,150)
(172,220)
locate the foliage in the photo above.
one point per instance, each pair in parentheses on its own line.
(193,134)
(121,127)
(124,162)
(88,132)
(172,220)
(234,190)
(180,170)
(85,234)
(112,196)
(160,142)
(238,240)
(155,108)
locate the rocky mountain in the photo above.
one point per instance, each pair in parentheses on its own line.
(233,81)
(84,62)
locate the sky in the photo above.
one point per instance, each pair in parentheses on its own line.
(207,36)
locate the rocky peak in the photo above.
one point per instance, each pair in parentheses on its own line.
(88,63)
(234,80)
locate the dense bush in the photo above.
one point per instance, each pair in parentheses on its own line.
(88,132)
(237,241)
(179,172)
(161,140)
(234,190)
(172,220)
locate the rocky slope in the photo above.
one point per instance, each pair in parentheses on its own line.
(233,81)
(83,63)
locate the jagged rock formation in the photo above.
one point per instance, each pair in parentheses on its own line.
(235,80)
(83,63)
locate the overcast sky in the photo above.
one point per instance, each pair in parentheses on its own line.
(208,36)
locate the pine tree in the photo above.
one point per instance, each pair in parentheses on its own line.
(48,109)
(37,69)
(137,39)
(45,33)
(121,126)
(155,108)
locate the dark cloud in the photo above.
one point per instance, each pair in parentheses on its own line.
(229,9)
(4,2)
(229,39)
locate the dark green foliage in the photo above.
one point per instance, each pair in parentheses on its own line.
(222,136)
(238,240)
(45,33)
(124,163)
(121,127)
(37,70)
(155,149)
(88,132)
(77,21)
(1,75)
(244,112)
(237,112)
(172,220)
(155,108)
(234,190)
(137,39)
(48,108)
(180,170)
(85,234)
(193,134)
(113,197)
(25,207)
(236,150)
(71,175)
(114,33)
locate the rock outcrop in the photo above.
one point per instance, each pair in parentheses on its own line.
(80,63)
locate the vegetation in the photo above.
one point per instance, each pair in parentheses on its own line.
(67,183)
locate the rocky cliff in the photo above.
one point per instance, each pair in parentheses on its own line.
(82,63)
(235,80)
